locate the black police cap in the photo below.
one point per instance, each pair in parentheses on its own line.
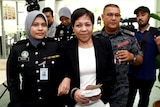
(142,8)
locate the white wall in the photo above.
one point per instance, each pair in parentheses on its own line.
(127,6)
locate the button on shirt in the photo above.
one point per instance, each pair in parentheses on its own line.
(25,60)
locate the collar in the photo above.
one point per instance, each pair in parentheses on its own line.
(146,29)
(110,36)
(29,44)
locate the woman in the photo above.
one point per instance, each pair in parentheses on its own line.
(64,31)
(88,60)
(32,67)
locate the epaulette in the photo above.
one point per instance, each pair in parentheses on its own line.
(96,33)
(128,32)
(50,39)
(21,42)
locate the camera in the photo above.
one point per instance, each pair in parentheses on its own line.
(32,5)
(129,25)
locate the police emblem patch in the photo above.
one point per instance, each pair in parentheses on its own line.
(24,56)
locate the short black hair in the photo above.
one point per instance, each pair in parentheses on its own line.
(80,12)
(142,8)
(47,9)
(110,5)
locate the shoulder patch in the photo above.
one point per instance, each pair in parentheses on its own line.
(96,33)
(21,42)
(49,39)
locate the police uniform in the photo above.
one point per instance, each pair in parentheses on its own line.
(38,70)
(122,40)
(64,33)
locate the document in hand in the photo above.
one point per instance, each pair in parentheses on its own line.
(91,90)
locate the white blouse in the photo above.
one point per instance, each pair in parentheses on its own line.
(87,67)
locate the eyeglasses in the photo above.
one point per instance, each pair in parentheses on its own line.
(110,15)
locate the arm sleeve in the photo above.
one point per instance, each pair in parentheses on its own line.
(13,79)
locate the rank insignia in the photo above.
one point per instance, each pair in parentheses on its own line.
(51,57)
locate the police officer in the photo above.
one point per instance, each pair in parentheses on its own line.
(125,49)
(64,31)
(32,67)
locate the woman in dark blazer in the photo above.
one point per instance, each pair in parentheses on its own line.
(87,60)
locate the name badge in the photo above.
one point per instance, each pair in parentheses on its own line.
(43,73)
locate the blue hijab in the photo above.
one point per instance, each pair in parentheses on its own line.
(28,23)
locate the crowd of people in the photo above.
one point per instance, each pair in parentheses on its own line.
(68,64)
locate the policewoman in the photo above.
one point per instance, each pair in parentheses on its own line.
(64,31)
(32,73)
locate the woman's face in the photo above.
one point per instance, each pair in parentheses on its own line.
(38,28)
(65,21)
(83,28)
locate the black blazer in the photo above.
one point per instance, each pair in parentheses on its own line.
(105,70)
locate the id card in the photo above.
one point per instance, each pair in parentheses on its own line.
(43,73)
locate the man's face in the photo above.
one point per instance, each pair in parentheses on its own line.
(50,18)
(111,18)
(142,18)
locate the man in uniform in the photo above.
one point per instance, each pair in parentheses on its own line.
(125,49)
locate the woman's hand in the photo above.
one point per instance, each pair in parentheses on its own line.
(95,97)
(64,86)
(79,98)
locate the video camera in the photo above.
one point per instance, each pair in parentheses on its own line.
(32,5)
(129,25)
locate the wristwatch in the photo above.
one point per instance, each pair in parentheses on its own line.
(134,59)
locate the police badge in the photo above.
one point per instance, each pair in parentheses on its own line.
(24,56)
